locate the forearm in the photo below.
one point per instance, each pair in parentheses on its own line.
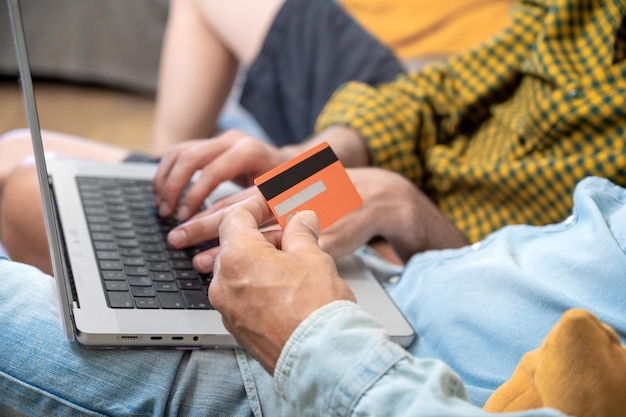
(366,375)
(349,146)
(196,72)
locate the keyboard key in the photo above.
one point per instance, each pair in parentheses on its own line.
(182,264)
(125,234)
(136,261)
(206,279)
(114,275)
(155,257)
(171,300)
(159,266)
(101,245)
(166,286)
(149,238)
(108,255)
(118,299)
(140,281)
(97,219)
(186,274)
(147,302)
(143,291)
(102,236)
(130,252)
(178,254)
(146,230)
(189,284)
(162,276)
(128,243)
(196,299)
(99,228)
(136,270)
(152,247)
(116,285)
(110,265)
(122,225)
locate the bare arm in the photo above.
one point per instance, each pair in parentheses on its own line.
(346,143)
(205,42)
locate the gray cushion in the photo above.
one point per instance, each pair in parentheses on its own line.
(113,42)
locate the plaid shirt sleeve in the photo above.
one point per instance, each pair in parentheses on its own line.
(502,134)
(401,121)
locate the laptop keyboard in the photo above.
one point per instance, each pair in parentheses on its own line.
(137,268)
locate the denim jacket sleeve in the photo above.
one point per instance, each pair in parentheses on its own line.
(339,362)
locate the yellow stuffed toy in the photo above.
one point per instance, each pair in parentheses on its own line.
(580,370)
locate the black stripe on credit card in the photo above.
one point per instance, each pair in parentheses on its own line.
(297,173)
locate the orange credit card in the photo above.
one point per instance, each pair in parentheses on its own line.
(314,180)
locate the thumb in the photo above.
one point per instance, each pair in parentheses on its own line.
(302,231)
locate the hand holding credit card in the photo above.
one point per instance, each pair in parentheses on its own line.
(314,180)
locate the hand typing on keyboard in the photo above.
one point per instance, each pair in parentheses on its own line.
(137,267)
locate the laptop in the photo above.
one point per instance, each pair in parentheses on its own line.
(119,285)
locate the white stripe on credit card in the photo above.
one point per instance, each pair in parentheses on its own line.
(300,198)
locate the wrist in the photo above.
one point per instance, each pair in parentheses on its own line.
(348,145)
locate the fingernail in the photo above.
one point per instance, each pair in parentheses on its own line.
(183,213)
(164,209)
(177,237)
(309,219)
(203,262)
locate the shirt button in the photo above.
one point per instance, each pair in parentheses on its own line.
(574,93)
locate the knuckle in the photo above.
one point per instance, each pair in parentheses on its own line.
(231,134)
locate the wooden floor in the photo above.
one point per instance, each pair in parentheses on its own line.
(102,114)
(107,115)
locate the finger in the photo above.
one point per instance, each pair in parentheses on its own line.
(207,257)
(243,159)
(168,162)
(347,234)
(163,170)
(232,199)
(241,221)
(169,158)
(203,226)
(204,262)
(187,162)
(302,232)
(274,236)
(194,231)
(181,163)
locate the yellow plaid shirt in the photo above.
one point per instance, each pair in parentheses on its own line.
(501,134)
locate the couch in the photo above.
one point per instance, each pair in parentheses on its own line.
(109,42)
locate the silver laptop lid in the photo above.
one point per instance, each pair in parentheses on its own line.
(53,234)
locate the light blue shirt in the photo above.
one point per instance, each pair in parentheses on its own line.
(339,361)
(476,311)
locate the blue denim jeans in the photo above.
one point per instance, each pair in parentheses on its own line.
(42,374)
